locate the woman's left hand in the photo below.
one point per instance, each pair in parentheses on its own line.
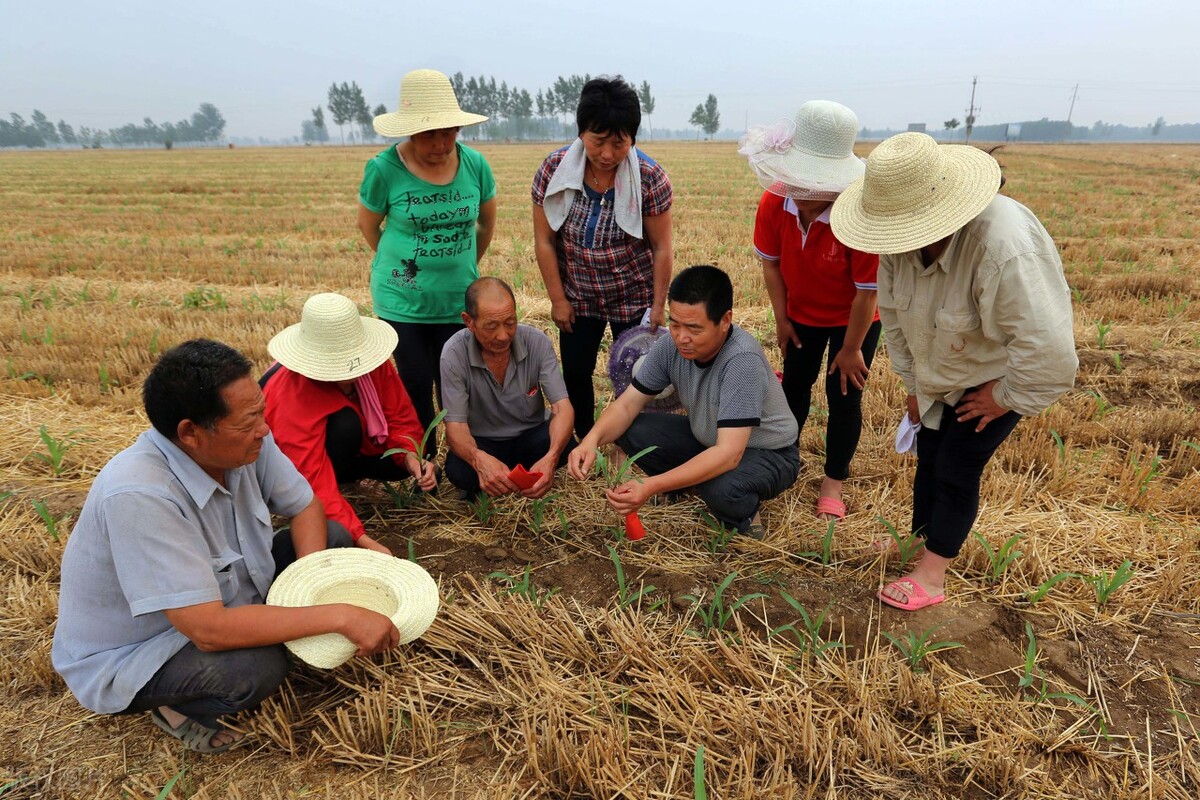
(424,471)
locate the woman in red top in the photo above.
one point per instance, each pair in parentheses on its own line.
(822,292)
(335,403)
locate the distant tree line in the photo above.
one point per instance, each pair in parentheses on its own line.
(513,112)
(205,125)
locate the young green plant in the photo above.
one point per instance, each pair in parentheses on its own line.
(811,640)
(625,595)
(716,613)
(999,560)
(56,449)
(614,476)
(523,586)
(916,646)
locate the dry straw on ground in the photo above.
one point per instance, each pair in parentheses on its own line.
(107,258)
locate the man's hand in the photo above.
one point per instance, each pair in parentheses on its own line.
(370,631)
(658,317)
(980,404)
(784,333)
(367,543)
(628,497)
(493,475)
(563,314)
(424,471)
(546,465)
(579,463)
(914,411)
(852,366)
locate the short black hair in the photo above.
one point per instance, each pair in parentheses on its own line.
(186,383)
(706,284)
(471,299)
(609,105)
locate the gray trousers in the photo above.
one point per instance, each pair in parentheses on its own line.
(207,686)
(733,497)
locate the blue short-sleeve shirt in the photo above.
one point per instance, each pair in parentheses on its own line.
(157,532)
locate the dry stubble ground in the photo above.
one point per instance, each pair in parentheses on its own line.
(107,258)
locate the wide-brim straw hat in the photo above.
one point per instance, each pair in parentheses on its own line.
(400,590)
(332,341)
(915,192)
(808,157)
(427,103)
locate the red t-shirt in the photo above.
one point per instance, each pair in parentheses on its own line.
(297,408)
(820,273)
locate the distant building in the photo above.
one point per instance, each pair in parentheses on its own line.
(916,127)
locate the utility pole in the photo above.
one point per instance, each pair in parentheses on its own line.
(971,111)
(1074,93)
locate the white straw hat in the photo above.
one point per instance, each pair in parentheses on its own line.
(400,590)
(332,342)
(810,157)
(915,192)
(427,103)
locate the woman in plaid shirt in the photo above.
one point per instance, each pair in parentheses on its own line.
(602,234)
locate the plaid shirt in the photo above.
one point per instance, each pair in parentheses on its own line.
(606,273)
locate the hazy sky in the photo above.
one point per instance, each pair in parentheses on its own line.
(266,64)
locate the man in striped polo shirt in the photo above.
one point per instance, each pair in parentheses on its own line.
(737,445)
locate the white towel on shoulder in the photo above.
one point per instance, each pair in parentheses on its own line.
(567,182)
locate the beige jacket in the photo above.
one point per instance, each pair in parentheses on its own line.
(995,305)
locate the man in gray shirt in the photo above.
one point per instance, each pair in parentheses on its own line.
(497,376)
(164,576)
(737,444)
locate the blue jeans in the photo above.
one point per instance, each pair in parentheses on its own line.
(733,496)
(207,686)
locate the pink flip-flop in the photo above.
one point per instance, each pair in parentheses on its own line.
(831,506)
(918,598)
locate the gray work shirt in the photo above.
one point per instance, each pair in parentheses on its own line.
(471,393)
(157,532)
(737,389)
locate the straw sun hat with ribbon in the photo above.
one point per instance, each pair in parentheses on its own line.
(332,342)
(810,157)
(915,192)
(427,103)
(400,590)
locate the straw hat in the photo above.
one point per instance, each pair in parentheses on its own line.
(332,342)
(427,103)
(810,157)
(400,590)
(915,192)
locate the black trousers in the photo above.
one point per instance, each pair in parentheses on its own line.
(525,450)
(950,464)
(418,360)
(578,350)
(801,368)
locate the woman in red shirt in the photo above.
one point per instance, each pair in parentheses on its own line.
(822,292)
(335,403)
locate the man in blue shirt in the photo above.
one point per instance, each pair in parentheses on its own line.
(165,574)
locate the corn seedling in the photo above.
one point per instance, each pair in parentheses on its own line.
(1103,407)
(56,449)
(999,560)
(720,535)
(1116,361)
(826,554)
(1060,447)
(1102,330)
(412,550)
(484,508)
(205,298)
(523,587)
(625,596)
(563,522)
(1034,679)
(537,512)
(52,522)
(1045,586)
(715,615)
(915,647)
(418,450)
(698,790)
(614,476)
(170,785)
(811,640)
(1145,473)
(403,496)
(906,546)
(1105,585)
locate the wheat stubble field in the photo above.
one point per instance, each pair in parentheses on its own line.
(1077,606)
